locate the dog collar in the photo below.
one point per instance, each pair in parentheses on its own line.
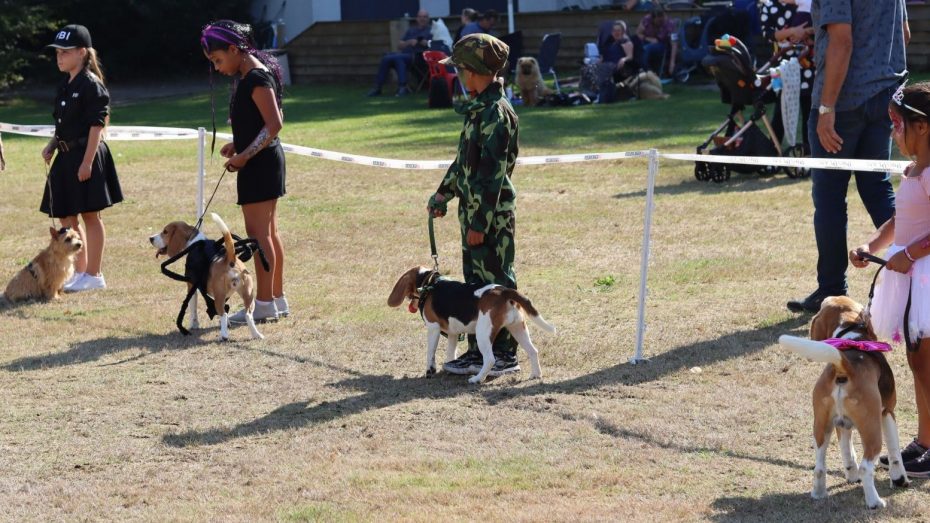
(864,346)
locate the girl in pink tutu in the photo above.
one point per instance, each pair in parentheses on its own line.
(900,308)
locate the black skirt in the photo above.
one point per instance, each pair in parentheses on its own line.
(69,196)
(262,177)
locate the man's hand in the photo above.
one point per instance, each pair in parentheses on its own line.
(858,261)
(826,131)
(474,238)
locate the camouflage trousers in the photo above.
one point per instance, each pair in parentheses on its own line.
(491,262)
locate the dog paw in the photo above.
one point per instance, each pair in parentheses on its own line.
(881,503)
(475,380)
(224,338)
(819,494)
(430,371)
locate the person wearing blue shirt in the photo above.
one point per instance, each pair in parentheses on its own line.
(484,24)
(415,40)
(860,60)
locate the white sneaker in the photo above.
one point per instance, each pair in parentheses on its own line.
(88,283)
(74,279)
(281,304)
(264,312)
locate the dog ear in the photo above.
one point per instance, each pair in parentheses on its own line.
(53,232)
(403,287)
(176,240)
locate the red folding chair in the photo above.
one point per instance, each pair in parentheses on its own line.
(438,70)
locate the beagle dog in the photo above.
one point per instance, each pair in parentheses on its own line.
(452,308)
(215,268)
(855,390)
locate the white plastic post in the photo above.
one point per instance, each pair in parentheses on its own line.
(644,263)
(510,24)
(201,175)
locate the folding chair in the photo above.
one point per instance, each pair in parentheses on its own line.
(438,70)
(547,54)
(515,41)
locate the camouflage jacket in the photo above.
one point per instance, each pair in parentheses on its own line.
(480,174)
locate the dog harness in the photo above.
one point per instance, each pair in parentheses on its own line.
(863,345)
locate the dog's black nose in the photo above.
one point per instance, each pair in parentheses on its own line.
(152,240)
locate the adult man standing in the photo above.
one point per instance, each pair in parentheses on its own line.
(415,40)
(860,61)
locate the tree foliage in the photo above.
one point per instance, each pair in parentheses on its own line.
(135,39)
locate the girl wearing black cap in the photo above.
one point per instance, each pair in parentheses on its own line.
(82,180)
(256,154)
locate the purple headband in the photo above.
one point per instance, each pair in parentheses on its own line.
(213,31)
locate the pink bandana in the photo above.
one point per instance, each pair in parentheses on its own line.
(865,346)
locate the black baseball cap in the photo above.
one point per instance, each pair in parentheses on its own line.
(71,36)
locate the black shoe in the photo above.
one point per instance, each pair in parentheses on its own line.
(504,365)
(918,467)
(464,364)
(812,302)
(403,91)
(911,452)
(374,92)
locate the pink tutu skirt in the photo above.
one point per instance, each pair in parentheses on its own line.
(887,308)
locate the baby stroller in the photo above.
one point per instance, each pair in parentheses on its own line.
(742,86)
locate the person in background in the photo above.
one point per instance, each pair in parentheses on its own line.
(786,23)
(469,16)
(618,51)
(656,30)
(415,41)
(484,24)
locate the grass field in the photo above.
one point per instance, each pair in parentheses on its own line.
(109,414)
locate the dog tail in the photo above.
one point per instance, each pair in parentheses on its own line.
(227,238)
(515,297)
(812,350)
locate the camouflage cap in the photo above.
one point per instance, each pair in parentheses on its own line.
(480,53)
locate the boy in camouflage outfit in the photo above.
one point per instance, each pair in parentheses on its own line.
(480,177)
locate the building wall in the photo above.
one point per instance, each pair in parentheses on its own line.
(297,15)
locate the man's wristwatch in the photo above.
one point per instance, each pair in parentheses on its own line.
(824,109)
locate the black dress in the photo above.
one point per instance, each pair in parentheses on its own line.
(262,177)
(80,104)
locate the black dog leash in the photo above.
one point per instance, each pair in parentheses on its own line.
(207,206)
(432,243)
(911,346)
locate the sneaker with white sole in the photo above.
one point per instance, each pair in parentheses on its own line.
(468,363)
(264,312)
(71,281)
(911,452)
(504,365)
(88,282)
(280,303)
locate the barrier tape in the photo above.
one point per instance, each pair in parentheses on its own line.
(133,133)
(841,164)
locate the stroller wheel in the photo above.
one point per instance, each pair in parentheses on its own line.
(769,170)
(796,151)
(719,172)
(702,171)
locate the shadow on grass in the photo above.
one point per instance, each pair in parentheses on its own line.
(380,391)
(92,350)
(740,183)
(845,503)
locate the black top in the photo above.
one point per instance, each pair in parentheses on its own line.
(80,104)
(246,119)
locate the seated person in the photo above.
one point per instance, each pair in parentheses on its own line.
(638,5)
(656,30)
(469,16)
(617,50)
(484,24)
(413,43)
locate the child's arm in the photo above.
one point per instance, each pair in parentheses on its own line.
(49,150)
(93,142)
(486,186)
(446,191)
(881,239)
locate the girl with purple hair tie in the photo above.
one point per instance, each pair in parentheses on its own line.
(255,154)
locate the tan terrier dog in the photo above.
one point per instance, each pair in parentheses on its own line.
(47,273)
